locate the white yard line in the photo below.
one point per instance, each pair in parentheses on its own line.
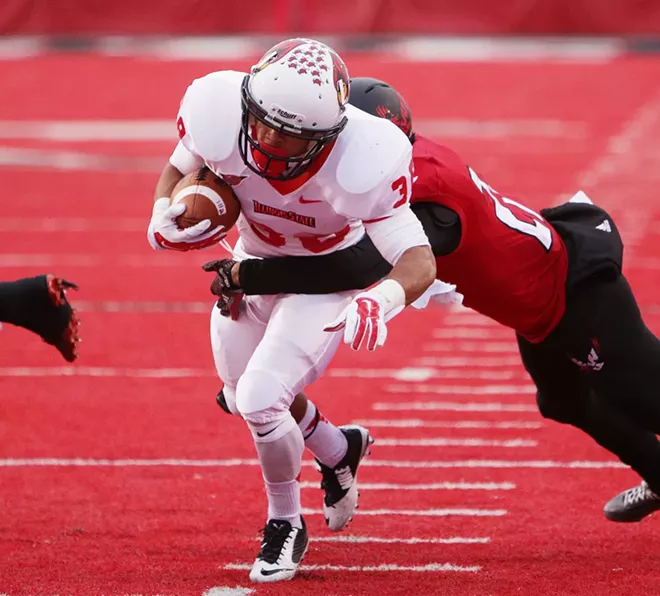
(487,486)
(383,567)
(377,540)
(447,442)
(419,423)
(493,389)
(49,462)
(442,406)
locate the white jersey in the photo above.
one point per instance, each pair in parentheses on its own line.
(366,177)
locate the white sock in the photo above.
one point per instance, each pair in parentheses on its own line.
(280,454)
(284,501)
(322,438)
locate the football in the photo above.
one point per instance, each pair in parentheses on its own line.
(206,196)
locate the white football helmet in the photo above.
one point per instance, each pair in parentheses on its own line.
(299,87)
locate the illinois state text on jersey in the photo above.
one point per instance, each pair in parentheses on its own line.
(362,176)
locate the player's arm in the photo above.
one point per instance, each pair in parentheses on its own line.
(441,224)
(353,268)
(163,233)
(401,239)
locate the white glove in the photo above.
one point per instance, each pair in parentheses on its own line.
(164,232)
(365,317)
(441,293)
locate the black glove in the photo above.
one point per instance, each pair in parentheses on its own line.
(228,293)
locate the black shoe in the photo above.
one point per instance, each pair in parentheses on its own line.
(632,505)
(222,402)
(282,549)
(340,483)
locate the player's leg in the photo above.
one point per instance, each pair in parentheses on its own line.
(338,452)
(39,304)
(628,378)
(234,342)
(326,441)
(565,395)
(293,353)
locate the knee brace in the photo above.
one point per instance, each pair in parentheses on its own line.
(275,429)
(261,398)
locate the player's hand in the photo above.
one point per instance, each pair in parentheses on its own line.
(363,320)
(225,286)
(164,232)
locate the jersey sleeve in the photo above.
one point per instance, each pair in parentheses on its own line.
(185,160)
(209,117)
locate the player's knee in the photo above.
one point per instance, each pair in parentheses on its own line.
(226,399)
(266,432)
(559,410)
(260,397)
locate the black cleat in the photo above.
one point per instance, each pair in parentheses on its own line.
(39,304)
(632,505)
(62,327)
(340,483)
(222,402)
(282,549)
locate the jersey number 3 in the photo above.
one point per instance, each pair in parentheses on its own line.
(534,226)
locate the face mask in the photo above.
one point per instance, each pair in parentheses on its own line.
(269,166)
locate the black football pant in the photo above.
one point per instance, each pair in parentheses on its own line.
(599,370)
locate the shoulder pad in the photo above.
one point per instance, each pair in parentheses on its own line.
(210,115)
(371,150)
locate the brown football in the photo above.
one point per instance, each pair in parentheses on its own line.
(206,196)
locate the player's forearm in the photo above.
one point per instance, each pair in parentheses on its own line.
(414,271)
(169,178)
(353,268)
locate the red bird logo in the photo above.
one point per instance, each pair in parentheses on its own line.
(340,78)
(277,53)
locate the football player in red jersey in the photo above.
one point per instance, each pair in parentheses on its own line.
(553,277)
(39,304)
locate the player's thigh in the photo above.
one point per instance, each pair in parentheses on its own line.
(294,350)
(234,342)
(562,389)
(625,354)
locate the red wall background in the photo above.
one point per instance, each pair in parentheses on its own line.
(208,17)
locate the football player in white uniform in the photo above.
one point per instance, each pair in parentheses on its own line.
(312,174)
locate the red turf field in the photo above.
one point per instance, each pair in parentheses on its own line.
(121,476)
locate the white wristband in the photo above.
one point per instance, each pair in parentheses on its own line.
(395,297)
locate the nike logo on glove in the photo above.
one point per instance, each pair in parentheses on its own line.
(305,201)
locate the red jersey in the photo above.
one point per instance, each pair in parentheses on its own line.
(510,264)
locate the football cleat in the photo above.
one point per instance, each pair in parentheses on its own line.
(632,505)
(222,402)
(340,483)
(282,549)
(39,304)
(61,327)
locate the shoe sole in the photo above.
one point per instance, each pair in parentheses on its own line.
(367,441)
(627,518)
(271,579)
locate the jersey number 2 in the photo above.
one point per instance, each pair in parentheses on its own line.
(535,227)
